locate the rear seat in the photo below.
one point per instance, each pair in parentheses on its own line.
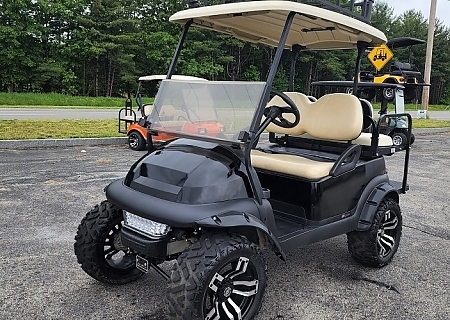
(334,117)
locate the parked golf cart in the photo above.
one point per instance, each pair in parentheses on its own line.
(398,73)
(134,124)
(210,203)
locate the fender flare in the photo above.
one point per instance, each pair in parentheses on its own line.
(229,220)
(140,130)
(370,205)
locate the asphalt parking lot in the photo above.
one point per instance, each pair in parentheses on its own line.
(44,194)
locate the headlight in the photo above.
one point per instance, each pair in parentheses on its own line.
(222,129)
(146,226)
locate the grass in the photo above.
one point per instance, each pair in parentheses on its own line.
(412,107)
(59,129)
(430,123)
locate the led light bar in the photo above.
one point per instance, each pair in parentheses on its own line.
(145,226)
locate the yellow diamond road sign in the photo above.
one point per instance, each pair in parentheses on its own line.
(379,56)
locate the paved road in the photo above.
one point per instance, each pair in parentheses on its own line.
(44,194)
(31,113)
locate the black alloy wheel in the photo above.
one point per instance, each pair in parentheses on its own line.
(219,277)
(376,247)
(136,141)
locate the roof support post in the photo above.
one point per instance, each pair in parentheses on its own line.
(296,48)
(173,64)
(362,46)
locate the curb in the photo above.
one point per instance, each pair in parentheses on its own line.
(51,143)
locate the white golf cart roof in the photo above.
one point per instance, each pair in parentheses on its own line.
(174,77)
(313,28)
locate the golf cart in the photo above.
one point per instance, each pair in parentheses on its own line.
(396,127)
(398,73)
(185,118)
(210,203)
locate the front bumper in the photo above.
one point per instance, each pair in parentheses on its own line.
(153,248)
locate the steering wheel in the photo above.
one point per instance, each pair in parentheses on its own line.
(275,113)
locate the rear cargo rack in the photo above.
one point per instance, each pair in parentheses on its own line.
(361,10)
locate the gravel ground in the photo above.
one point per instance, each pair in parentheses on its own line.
(44,194)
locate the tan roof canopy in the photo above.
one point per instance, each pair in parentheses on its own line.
(263,21)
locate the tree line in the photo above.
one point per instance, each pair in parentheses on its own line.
(100,48)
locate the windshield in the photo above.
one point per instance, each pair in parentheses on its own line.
(213,109)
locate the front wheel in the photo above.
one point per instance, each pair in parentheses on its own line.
(399,139)
(219,277)
(99,249)
(376,247)
(136,141)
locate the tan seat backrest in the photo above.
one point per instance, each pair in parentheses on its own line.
(335,116)
(167,112)
(148,109)
(301,101)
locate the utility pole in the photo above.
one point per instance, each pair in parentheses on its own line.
(431,26)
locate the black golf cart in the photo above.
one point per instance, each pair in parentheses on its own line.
(212,203)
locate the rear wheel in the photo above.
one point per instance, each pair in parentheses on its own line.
(389,94)
(376,247)
(219,277)
(136,141)
(413,138)
(99,249)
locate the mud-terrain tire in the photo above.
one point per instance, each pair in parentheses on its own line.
(136,141)
(214,270)
(376,247)
(98,248)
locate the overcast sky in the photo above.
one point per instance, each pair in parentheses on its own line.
(442,12)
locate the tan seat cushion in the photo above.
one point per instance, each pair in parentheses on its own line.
(127,118)
(290,164)
(364,139)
